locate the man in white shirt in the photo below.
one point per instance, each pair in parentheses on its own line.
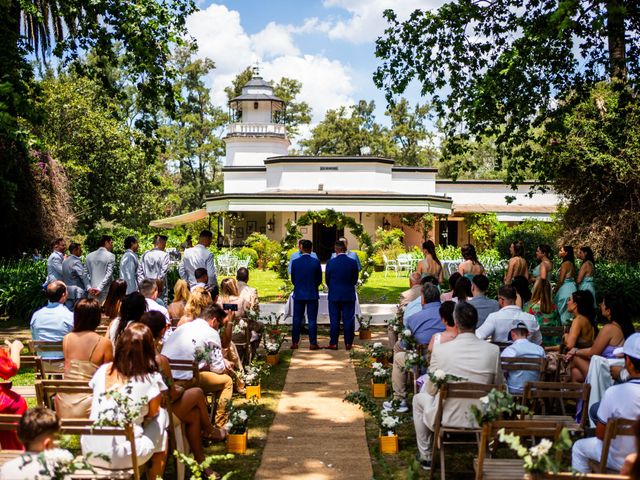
(100,265)
(52,322)
(521,348)
(498,324)
(129,264)
(618,401)
(247,293)
(54,262)
(196,257)
(155,264)
(149,290)
(202,333)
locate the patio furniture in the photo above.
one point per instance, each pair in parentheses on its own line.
(405,262)
(389,265)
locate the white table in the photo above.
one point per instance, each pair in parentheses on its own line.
(323,307)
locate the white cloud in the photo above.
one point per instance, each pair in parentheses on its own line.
(366,23)
(274,40)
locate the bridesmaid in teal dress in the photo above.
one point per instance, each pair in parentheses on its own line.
(585,274)
(544,255)
(566,284)
(470,266)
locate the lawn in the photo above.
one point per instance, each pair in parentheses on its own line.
(377,290)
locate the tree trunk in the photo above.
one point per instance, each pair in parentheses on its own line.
(616,33)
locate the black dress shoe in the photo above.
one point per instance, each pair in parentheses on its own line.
(331,347)
(347,346)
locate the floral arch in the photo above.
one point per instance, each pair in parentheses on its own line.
(330,218)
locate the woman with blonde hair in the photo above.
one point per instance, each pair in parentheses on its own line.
(542,307)
(181,296)
(229,295)
(198,301)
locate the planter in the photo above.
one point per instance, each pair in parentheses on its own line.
(253,391)
(378,390)
(364,334)
(378,268)
(237,443)
(388,443)
(273,359)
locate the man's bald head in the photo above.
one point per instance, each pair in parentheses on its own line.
(57,292)
(414,279)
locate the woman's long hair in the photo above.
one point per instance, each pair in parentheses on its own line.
(521,284)
(228,288)
(588,255)
(518,248)
(135,355)
(619,313)
(569,255)
(542,293)
(584,305)
(430,248)
(181,291)
(197,302)
(117,292)
(462,290)
(132,308)
(469,253)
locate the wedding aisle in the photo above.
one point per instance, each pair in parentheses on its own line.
(315,435)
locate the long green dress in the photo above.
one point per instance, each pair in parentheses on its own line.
(561,297)
(589,284)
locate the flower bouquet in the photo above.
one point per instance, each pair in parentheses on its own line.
(377,353)
(365,323)
(237,428)
(395,325)
(58,464)
(439,377)
(272,344)
(497,405)
(413,359)
(379,377)
(252,376)
(204,355)
(240,326)
(546,456)
(122,409)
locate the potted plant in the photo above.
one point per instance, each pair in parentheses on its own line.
(379,377)
(198,470)
(377,353)
(365,322)
(272,322)
(252,376)
(238,430)
(272,345)
(387,420)
(394,326)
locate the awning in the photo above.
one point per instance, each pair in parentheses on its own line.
(171,222)
(509,212)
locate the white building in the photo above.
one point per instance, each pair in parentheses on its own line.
(266,187)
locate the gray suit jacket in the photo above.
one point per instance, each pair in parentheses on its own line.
(100,264)
(74,275)
(197,257)
(154,264)
(129,270)
(54,267)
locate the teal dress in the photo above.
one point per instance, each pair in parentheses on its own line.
(562,296)
(469,276)
(588,284)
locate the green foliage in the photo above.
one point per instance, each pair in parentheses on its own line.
(543,457)
(361,256)
(620,279)
(409,133)
(483,228)
(497,405)
(21,287)
(532,233)
(198,469)
(388,238)
(247,252)
(267,250)
(448,253)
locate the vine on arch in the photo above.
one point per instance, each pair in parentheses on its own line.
(330,218)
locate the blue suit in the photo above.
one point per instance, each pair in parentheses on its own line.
(351,254)
(297,254)
(341,275)
(306,276)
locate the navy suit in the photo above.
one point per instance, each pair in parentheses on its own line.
(306,276)
(341,274)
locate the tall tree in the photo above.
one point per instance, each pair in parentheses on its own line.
(409,132)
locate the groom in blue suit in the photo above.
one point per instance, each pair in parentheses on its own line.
(306,276)
(341,275)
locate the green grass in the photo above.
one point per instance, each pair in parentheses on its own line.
(377,290)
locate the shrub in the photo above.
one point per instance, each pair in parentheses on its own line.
(391,253)
(21,288)
(361,256)
(532,233)
(386,239)
(448,253)
(245,252)
(619,278)
(267,250)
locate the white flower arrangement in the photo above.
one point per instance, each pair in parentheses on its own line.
(58,463)
(389,422)
(439,377)
(239,327)
(542,457)
(407,333)
(272,347)
(379,373)
(205,354)
(254,372)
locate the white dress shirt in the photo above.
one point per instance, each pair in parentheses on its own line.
(194,258)
(499,324)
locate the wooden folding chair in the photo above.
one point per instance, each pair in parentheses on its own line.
(242,342)
(102,330)
(583,476)
(9,423)
(615,427)
(413,374)
(552,332)
(530,364)
(455,391)
(47,368)
(47,389)
(502,345)
(85,427)
(543,392)
(509,469)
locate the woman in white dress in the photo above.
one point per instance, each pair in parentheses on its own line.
(133,373)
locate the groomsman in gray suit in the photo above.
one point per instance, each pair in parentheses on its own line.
(155,263)
(74,275)
(129,264)
(100,265)
(54,262)
(199,257)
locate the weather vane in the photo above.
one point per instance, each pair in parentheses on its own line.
(256,69)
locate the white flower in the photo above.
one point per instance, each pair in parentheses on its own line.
(406,332)
(440,374)
(365,274)
(228,426)
(542,448)
(293,224)
(242,415)
(390,422)
(377,345)
(484,400)
(376,365)
(58,456)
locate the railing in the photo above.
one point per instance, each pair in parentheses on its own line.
(256,129)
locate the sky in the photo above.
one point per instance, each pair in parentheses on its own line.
(328,45)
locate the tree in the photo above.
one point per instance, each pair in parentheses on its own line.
(410,134)
(193,136)
(344,131)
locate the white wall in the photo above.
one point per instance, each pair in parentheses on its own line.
(251,151)
(419,183)
(260,115)
(493,194)
(346,177)
(244,182)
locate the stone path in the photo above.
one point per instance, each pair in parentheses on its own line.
(315,435)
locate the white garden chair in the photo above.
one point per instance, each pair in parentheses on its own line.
(389,265)
(405,262)
(243,262)
(225,264)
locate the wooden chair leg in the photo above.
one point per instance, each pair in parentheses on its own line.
(442,472)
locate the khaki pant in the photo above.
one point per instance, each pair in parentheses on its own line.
(399,376)
(222,386)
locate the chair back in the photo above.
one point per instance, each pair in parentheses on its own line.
(45,367)
(102,330)
(583,476)
(502,345)
(185,366)
(533,364)
(461,390)
(47,389)
(615,427)
(9,423)
(552,331)
(537,391)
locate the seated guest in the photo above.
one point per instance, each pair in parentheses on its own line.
(84,351)
(202,279)
(229,294)
(523,294)
(247,293)
(181,295)
(423,326)
(542,307)
(11,403)
(117,291)
(619,327)
(415,305)
(132,308)
(415,290)
(619,401)
(483,305)
(583,326)
(498,324)
(149,289)
(133,373)
(37,430)
(452,284)
(521,347)
(197,334)
(199,299)
(52,322)
(631,465)
(189,405)
(462,290)
(450,328)
(467,357)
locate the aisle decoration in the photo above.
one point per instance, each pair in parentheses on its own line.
(379,377)
(272,344)
(439,377)
(364,332)
(252,376)
(198,469)
(497,405)
(376,352)
(237,427)
(546,456)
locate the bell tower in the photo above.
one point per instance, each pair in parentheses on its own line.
(257,130)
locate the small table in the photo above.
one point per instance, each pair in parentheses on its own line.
(323,307)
